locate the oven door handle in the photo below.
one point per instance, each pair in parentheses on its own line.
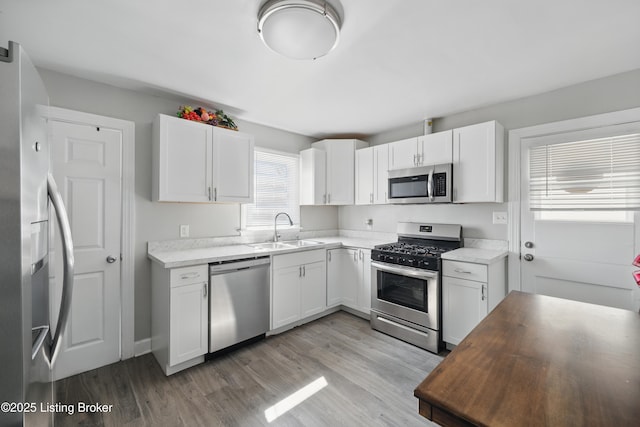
(405,271)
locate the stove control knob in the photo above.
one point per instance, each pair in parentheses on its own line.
(411,262)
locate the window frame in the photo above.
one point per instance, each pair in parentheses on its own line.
(295,216)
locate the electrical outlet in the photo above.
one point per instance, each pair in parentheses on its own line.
(500,217)
(184,230)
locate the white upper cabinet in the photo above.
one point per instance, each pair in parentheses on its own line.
(380,173)
(364,176)
(182,160)
(425,150)
(313,179)
(339,172)
(478,163)
(195,162)
(341,155)
(233,166)
(435,148)
(372,174)
(403,154)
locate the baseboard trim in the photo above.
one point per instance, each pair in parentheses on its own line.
(142,347)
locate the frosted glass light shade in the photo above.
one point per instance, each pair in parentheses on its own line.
(302,29)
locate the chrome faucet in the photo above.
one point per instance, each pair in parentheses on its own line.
(275,224)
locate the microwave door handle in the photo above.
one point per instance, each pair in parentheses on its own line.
(430,185)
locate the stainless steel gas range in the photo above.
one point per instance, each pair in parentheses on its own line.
(406,283)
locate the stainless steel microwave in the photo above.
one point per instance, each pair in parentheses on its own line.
(424,184)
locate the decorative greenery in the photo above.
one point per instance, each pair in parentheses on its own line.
(225,120)
(219,118)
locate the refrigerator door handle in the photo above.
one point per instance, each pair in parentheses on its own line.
(68,261)
(43,331)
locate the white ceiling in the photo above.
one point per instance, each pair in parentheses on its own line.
(398,61)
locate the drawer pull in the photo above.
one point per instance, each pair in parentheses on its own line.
(192,275)
(457,270)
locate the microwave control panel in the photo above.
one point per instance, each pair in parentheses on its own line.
(440,184)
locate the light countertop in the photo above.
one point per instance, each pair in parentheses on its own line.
(475,255)
(194,256)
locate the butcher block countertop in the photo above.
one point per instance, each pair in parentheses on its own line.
(540,361)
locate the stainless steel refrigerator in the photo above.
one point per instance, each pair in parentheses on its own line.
(28,202)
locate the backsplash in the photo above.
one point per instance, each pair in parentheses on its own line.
(499,245)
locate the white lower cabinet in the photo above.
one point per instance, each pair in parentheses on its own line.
(349,278)
(298,287)
(469,292)
(179,316)
(463,307)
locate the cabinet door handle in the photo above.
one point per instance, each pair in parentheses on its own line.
(324,199)
(192,275)
(457,270)
(204,288)
(370,197)
(483,297)
(215,194)
(360,254)
(209,193)
(300,271)
(329,198)
(355,255)
(329,256)
(415,162)
(304,271)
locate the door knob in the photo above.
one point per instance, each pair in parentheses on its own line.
(528,245)
(528,257)
(111,259)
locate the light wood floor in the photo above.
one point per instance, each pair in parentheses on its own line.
(370,376)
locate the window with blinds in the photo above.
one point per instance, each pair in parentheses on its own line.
(276,189)
(596,174)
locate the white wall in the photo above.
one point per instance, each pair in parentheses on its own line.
(618,92)
(160,221)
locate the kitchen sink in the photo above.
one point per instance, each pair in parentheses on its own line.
(287,244)
(270,245)
(301,243)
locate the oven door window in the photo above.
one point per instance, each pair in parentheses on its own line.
(406,291)
(413,186)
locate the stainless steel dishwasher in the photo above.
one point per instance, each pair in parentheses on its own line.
(238,301)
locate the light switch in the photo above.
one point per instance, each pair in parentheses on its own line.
(184,230)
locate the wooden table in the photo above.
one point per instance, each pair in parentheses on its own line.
(540,361)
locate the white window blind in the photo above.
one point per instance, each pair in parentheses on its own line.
(596,174)
(276,189)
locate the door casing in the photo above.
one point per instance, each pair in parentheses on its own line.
(127,128)
(516,138)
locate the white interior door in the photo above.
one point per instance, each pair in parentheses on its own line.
(86,163)
(579,255)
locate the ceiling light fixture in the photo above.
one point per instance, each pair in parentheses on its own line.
(299,29)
